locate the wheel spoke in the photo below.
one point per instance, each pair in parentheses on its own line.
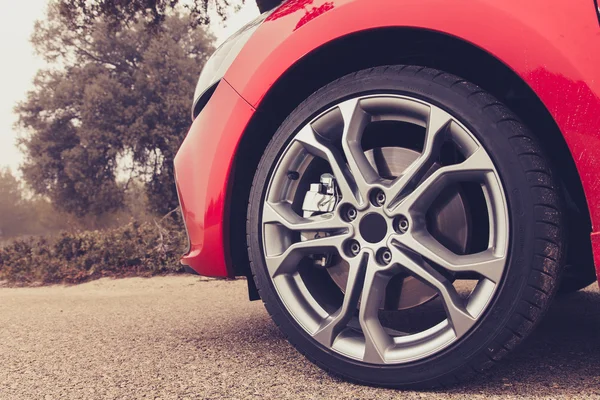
(459,317)
(485,263)
(373,293)
(332,326)
(355,122)
(473,168)
(348,188)
(287,262)
(283,214)
(434,138)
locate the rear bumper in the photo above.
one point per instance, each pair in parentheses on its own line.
(203,167)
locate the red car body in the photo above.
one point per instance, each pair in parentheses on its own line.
(551,45)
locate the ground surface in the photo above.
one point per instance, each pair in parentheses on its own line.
(182,337)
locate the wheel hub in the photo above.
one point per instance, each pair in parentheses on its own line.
(449,222)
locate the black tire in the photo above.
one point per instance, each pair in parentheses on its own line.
(536,228)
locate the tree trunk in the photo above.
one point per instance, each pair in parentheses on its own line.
(266,5)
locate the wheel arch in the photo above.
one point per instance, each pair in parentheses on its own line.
(413,46)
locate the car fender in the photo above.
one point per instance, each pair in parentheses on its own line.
(550,44)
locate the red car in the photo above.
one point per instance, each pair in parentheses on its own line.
(406,184)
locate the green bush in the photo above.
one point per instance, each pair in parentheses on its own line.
(136,249)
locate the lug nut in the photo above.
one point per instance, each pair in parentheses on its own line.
(351,213)
(384,256)
(401,224)
(353,248)
(377,198)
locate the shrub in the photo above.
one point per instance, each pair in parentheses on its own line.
(136,249)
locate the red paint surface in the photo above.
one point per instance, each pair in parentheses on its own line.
(596,248)
(203,165)
(552,44)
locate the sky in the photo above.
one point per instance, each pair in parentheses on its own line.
(20,63)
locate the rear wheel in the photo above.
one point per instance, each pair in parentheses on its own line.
(404,228)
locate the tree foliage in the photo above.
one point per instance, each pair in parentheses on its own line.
(115,103)
(82,12)
(23,215)
(12,211)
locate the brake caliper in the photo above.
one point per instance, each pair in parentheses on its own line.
(321,198)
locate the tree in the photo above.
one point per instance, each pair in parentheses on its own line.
(115,103)
(21,214)
(12,212)
(81,12)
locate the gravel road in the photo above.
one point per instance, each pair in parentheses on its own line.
(186,337)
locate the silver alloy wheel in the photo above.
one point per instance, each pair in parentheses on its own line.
(400,229)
